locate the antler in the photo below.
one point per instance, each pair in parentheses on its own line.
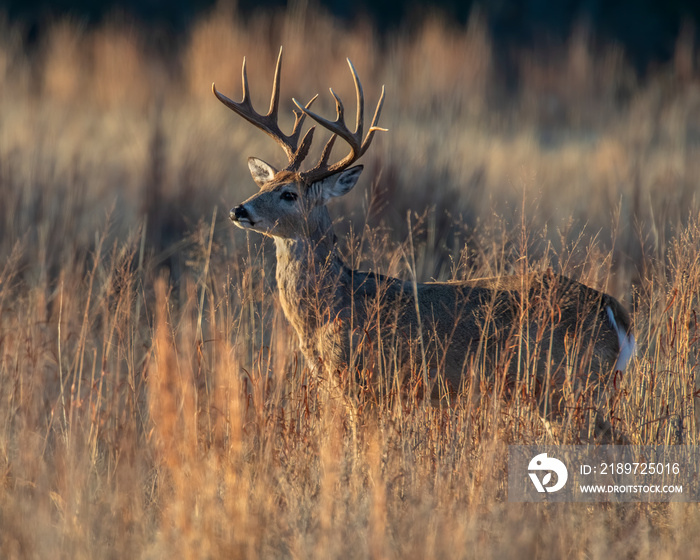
(358,146)
(268,123)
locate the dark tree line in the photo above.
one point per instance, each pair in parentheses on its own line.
(647,29)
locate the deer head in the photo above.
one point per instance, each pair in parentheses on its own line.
(291,201)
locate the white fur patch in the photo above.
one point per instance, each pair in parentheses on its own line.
(628,346)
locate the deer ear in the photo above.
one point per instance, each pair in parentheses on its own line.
(340,183)
(262,172)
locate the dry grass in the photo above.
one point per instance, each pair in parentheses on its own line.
(153,401)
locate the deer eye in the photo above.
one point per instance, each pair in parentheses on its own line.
(289,195)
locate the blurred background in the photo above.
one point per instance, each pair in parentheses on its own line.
(576,121)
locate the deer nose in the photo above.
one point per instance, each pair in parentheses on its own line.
(238,213)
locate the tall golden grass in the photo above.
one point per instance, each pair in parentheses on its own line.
(153,401)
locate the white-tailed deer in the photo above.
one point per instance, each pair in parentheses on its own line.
(549,325)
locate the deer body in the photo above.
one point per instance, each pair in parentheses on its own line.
(351,320)
(337,311)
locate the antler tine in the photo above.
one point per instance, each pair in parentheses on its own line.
(373,127)
(337,126)
(299,117)
(358,146)
(339,108)
(244,83)
(360,99)
(268,123)
(303,151)
(327,151)
(275,99)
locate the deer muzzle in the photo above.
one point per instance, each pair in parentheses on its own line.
(239,216)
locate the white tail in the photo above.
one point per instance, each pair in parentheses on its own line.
(626,342)
(348,319)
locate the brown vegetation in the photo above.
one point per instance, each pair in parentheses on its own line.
(153,401)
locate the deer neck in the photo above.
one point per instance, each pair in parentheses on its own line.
(310,272)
